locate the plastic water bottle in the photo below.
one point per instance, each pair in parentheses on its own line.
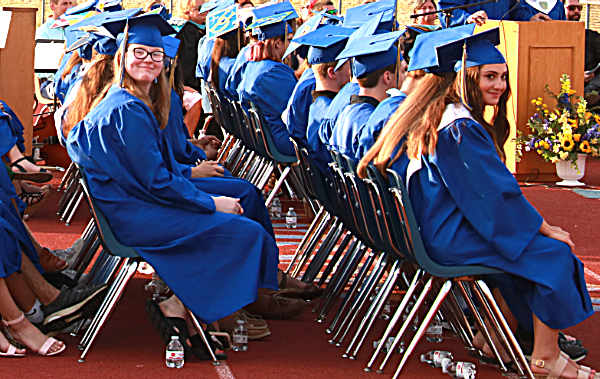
(460,370)
(276,207)
(291,219)
(437,358)
(157,285)
(240,337)
(434,331)
(175,354)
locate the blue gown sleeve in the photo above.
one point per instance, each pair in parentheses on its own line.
(525,11)
(139,164)
(485,191)
(11,130)
(459,16)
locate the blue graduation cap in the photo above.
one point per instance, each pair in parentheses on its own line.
(222,21)
(146,29)
(82,8)
(271,21)
(326,43)
(208,6)
(358,16)
(161,10)
(366,30)
(304,29)
(372,53)
(424,56)
(480,49)
(171,46)
(331,19)
(110,5)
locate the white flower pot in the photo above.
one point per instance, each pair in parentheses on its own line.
(569,174)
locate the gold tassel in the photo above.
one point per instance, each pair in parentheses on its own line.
(463,79)
(123,47)
(172,71)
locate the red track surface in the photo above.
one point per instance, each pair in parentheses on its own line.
(128,346)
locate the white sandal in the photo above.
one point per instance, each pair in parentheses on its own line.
(45,347)
(555,371)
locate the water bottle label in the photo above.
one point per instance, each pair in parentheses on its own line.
(240,339)
(434,330)
(291,219)
(174,354)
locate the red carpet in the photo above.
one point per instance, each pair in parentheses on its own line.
(129,347)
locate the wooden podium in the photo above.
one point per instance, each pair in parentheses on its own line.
(537,53)
(16,68)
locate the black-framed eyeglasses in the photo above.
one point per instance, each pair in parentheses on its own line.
(141,54)
(573,7)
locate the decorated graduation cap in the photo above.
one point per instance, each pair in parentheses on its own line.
(110,5)
(372,53)
(326,43)
(222,20)
(424,55)
(271,21)
(358,16)
(304,29)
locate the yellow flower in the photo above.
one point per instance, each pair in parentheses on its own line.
(545,106)
(585,147)
(594,141)
(594,152)
(538,103)
(573,122)
(539,151)
(533,101)
(556,148)
(546,145)
(536,144)
(572,91)
(554,159)
(567,144)
(564,155)
(576,137)
(597,118)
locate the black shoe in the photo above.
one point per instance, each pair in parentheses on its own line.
(563,338)
(575,352)
(71,306)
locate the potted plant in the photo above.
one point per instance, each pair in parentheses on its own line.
(564,136)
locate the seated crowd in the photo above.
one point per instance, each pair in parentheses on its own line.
(359,86)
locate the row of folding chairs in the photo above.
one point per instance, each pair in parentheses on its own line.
(364,246)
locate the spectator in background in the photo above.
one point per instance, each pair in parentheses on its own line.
(425,6)
(58,7)
(306,11)
(189,36)
(325,4)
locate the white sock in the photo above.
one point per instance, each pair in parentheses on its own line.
(35,315)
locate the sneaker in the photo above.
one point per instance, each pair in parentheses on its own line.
(71,306)
(574,351)
(276,307)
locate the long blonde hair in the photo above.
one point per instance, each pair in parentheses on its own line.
(418,117)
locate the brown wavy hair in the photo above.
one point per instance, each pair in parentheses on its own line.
(262,50)
(73,61)
(225,46)
(419,116)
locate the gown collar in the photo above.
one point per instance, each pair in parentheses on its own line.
(326,93)
(357,99)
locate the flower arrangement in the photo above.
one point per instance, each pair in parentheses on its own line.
(564,133)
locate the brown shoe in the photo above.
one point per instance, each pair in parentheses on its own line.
(255,331)
(276,307)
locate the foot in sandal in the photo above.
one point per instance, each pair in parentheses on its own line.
(560,367)
(8,350)
(24,332)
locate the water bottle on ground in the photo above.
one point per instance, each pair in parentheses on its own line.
(275,208)
(175,353)
(460,370)
(437,358)
(434,331)
(291,219)
(240,337)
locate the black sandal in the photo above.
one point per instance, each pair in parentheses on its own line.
(16,165)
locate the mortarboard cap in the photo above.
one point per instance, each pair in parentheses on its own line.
(146,29)
(358,16)
(171,46)
(221,21)
(160,10)
(326,43)
(331,19)
(423,55)
(208,6)
(366,30)
(110,5)
(372,53)
(270,21)
(304,29)
(82,8)
(481,49)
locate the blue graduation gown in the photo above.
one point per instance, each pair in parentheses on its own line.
(11,130)
(269,85)
(205,49)
(495,11)
(215,262)
(187,154)
(337,105)
(526,11)
(296,112)
(225,66)
(60,88)
(471,210)
(370,132)
(235,75)
(316,148)
(344,137)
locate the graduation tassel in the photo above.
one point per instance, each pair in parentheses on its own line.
(463,79)
(123,47)
(172,71)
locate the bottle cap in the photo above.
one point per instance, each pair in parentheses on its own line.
(291,208)
(240,322)
(174,337)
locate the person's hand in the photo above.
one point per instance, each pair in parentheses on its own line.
(540,17)
(228,205)
(478,18)
(189,89)
(556,233)
(210,145)
(587,77)
(207,169)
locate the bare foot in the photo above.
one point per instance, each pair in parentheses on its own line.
(480,343)
(31,188)
(31,337)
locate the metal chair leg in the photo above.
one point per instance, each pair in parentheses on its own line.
(326,223)
(322,253)
(309,233)
(203,336)
(278,185)
(335,258)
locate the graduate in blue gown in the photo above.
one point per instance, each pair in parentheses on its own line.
(469,207)
(205,49)
(267,82)
(11,130)
(494,11)
(375,64)
(296,112)
(213,261)
(526,11)
(235,74)
(337,105)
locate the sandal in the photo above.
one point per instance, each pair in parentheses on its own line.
(484,359)
(36,177)
(12,350)
(581,367)
(30,198)
(557,369)
(45,347)
(50,262)
(16,165)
